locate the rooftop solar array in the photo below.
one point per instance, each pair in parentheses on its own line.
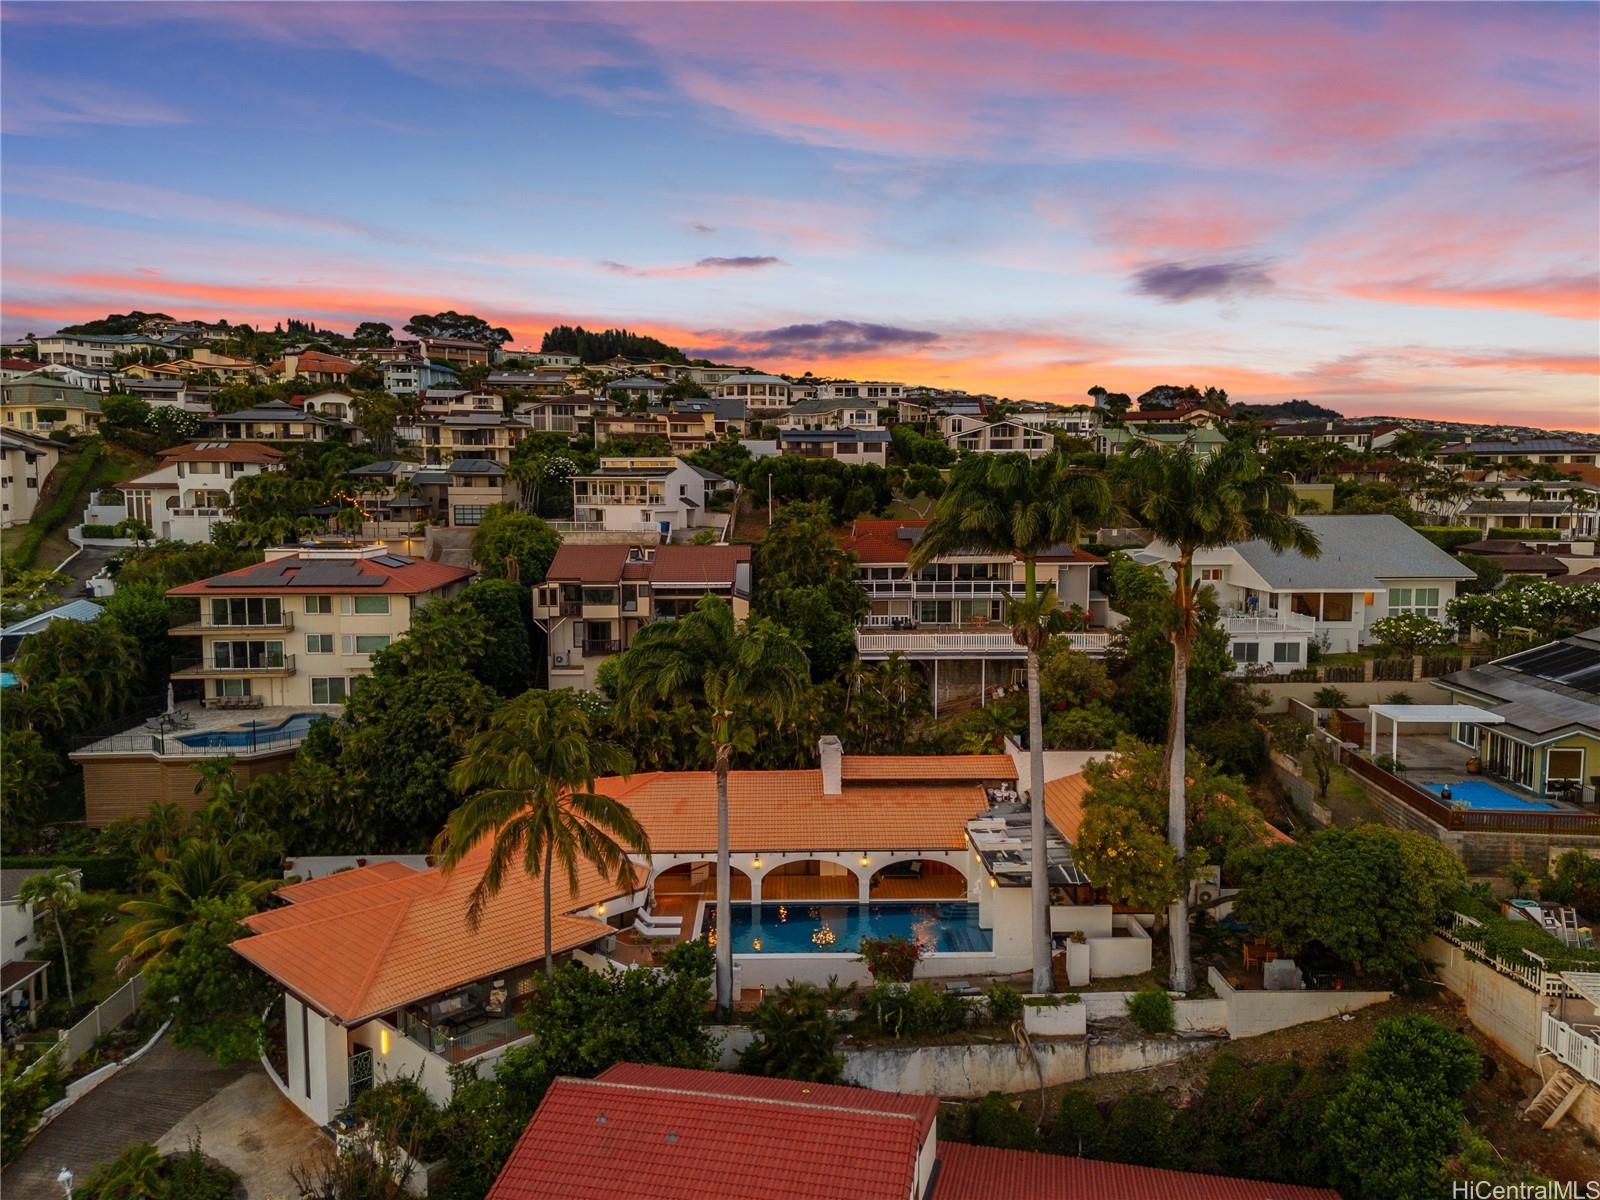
(291,573)
(1572,665)
(392,560)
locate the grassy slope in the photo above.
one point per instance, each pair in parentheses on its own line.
(118,463)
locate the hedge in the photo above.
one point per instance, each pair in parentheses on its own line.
(1448,537)
(1528,535)
(99,531)
(101,873)
(60,509)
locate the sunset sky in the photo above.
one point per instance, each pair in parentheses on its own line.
(1383,208)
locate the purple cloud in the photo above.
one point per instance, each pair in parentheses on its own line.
(821,338)
(741,262)
(1176,282)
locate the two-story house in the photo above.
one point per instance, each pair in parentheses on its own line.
(298,630)
(455,350)
(728,416)
(595,599)
(1007,435)
(408,376)
(25,463)
(39,403)
(476,484)
(335,405)
(650,498)
(464,435)
(859,447)
(949,618)
(851,389)
(101,350)
(1497,452)
(640,389)
(313,365)
(189,493)
(273,421)
(1274,603)
(558,414)
(761,392)
(832,413)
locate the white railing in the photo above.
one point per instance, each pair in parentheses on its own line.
(942,589)
(1572,1047)
(1269,622)
(72,1044)
(914,643)
(1533,977)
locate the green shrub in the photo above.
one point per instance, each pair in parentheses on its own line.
(994,1121)
(1005,1003)
(1139,1131)
(915,1011)
(1330,697)
(23,1098)
(403,1110)
(1151,1009)
(1527,535)
(1448,537)
(190,1176)
(99,531)
(795,1033)
(1080,1128)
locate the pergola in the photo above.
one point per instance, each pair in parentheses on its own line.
(1423,714)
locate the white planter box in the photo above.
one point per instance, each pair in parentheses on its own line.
(1061,1020)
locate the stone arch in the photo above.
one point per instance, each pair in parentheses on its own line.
(914,878)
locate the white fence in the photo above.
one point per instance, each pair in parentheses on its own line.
(917,644)
(1572,1047)
(116,1008)
(1536,979)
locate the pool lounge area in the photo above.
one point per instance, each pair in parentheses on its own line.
(802,928)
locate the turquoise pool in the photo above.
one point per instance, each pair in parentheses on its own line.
(252,736)
(1481,795)
(950,928)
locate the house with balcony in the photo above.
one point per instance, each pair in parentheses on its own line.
(1274,603)
(189,493)
(1546,738)
(949,617)
(298,629)
(312,365)
(1497,452)
(729,417)
(649,498)
(460,351)
(26,461)
(182,393)
(273,421)
(832,413)
(398,497)
(409,376)
(859,447)
(100,351)
(885,394)
(42,404)
(1006,435)
(475,485)
(595,599)
(332,404)
(541,381)
(467,433)
(769,393)
(570,414)
(637,389)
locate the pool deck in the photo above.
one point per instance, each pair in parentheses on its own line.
(1432,758)
(196,718)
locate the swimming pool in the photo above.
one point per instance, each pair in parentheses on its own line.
(1481,795)
(950,928)
(252,736)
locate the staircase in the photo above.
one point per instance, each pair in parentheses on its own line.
(1559,1093)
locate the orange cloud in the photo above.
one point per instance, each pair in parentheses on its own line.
(1554,296)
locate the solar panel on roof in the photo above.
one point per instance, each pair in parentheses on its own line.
(1586,680)
(1554,662)
(392,560)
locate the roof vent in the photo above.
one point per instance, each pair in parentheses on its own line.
(672,1139)
(600,1119)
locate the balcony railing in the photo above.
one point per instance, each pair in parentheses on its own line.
(942,589)
(206,625)
(601,646)
(1281,621)
(923,643)
(1572,1046)
(206,670)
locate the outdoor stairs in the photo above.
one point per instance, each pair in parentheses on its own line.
(1560,1092)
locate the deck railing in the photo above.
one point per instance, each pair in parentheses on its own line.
(1573,1047)
(999,643)
(1430,806)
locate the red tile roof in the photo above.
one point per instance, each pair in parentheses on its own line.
(414,578)
(343,881)
(315,361)
(588,564)
(708,565)
(985,1173)
(592,1139)
(923,1109)
(875,540)
(234,452)
(18,364)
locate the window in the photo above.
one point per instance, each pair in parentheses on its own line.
(231,687)
(1246,652)
(592,595)
(328,690)
(319,643)
(1210,574)
(1418,600)
(1563,766)
(469,514)
(365,643)
(372,604)
(1285,652)
(241,656)
(319,604)
(1337,606)
(254,610)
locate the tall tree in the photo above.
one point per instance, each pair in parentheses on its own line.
(528,780)
(737,674)
(1195,503)
(54,892)
(1009,503)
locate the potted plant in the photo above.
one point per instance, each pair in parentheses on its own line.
(891,959)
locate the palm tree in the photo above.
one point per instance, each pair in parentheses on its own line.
(1192,504)
(201,870)
(54,892)
(736,672)
(1011,504)
(529,785)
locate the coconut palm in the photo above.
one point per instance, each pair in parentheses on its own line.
(1009,503)
(528,780)
(1192,504)
(201,870)
(99,657)
(737,672)
(54,893)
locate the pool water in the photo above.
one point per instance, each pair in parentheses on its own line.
(950,927)
(291,728)
(1481,795)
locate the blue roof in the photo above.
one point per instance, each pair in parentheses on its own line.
(72,610)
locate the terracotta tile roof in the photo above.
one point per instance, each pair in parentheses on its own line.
(588,564)
(986,1173)
(365,950)
(875,540)
(316,361)
(343,881)
(1583,472)
(709,565)
(234,452)
(1063,807)
(297,574)
(596,1140)
(945,768)
(923,1109)
(779,811)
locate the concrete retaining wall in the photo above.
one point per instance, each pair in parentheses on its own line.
(1505,1011)
(1361,694)
(1250,1013)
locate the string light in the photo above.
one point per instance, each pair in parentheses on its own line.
(824,936)
(783,912)
(756,944)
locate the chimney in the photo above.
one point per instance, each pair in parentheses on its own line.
(831,752)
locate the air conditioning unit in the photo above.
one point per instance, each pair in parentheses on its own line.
(1206,887)
(561,660)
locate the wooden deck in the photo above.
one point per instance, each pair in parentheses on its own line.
(926,887)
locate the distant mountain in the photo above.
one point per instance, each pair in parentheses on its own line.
(1295,410)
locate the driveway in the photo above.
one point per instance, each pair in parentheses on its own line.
(251,1128)
(138,1104)
(87,562)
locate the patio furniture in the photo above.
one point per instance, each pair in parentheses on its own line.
(1258,953)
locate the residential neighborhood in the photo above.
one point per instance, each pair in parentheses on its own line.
(799,602)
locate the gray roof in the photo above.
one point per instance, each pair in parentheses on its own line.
(724,408)
(1542,691)
(476,466)
(833,435)
(639,383)
(805,408)
(1519,506)
(272,410)
(72,610)
(1359,552)
(1523,446)
(387,466)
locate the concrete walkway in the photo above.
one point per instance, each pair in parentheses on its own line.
(251,1128)
(138,1104)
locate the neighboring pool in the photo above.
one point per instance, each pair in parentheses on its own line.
(7,679)
(1481,795)
(291,728)
(950,927)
